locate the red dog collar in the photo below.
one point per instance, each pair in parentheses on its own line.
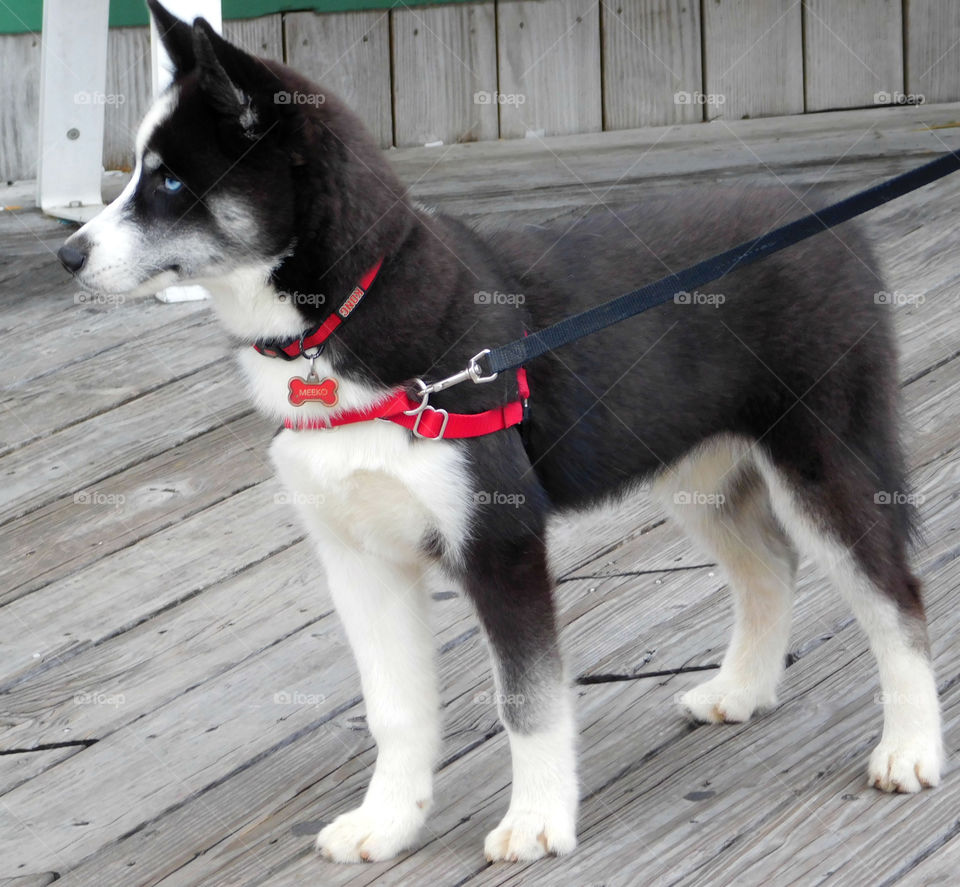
(431,423)
(291,349)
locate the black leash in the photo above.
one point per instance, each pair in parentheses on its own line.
(519,352)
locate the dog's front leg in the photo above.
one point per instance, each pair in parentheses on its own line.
(383,607)
(511,587)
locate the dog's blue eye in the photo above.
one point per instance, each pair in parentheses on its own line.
(171,184)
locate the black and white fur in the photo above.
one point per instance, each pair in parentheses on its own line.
(767,424)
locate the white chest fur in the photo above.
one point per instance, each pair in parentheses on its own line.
(371,487)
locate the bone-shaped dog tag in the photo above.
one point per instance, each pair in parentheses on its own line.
(312,388)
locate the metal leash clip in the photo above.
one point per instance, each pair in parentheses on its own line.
(472,372)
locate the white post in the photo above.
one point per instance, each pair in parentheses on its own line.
(73,82)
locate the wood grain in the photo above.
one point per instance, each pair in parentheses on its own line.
(549,64)
(349,53)
(19,105)
(443,58)
(933,50)
(651,63)
(852,52)
(753,58)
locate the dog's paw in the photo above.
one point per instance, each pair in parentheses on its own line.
(721,700)
(906,765)
(527,835)
(366,835)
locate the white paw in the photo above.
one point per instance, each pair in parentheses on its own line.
(722,700)
(906,765)
(527,835)
(367,835)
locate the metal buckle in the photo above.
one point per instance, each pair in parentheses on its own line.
(423,393)
(443,425)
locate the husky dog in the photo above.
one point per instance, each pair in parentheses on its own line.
(765,420)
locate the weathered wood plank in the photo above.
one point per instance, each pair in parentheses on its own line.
(128,87)
(95,693)
(493,177)
(549,67)
(149,496)
(933,50)
(77,458)
(753,58)
(96,325)
(851,52)
(348,52)
(17,768)
(261,36)
(247,721)
(136,582)
(444,58)
(938,867)
(60,397)
(651,63)
(19,134)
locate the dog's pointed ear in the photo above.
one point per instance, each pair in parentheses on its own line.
(177,38)
(233,81)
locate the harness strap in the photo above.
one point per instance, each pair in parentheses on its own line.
(427,421)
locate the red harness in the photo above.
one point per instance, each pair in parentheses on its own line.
(424,420)
(427,421)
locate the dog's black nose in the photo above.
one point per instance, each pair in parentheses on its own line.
(71,259)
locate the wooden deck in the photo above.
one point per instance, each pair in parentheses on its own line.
(178,702)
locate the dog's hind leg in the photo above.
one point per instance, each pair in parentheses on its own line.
(721,500)
(855,521)
(509,583)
